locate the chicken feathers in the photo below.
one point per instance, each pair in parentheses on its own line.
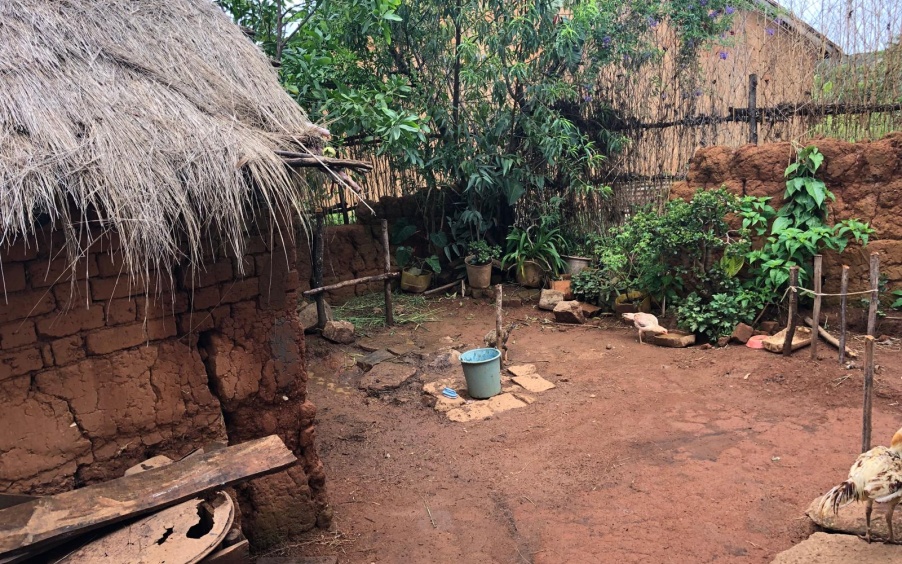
(875,477)
(645,323)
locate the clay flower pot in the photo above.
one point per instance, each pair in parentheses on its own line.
(478,275)
(415,281)
(530,275)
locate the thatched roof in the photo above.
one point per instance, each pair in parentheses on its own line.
(160,118)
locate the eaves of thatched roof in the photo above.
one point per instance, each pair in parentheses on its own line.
(158,120)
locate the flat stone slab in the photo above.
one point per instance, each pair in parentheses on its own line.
(522,369)
(483,409)
(533,383)
(673,339)
(386,376)
(369,361)
(403,348)
(850,519)
(443,404)
(824,548)
(550,298)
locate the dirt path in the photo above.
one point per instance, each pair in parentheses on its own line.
(641,454)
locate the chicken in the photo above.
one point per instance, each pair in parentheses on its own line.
(645,323)
(875,476)
(491,340)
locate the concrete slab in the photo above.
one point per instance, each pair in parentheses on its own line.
(386,376)
(522,369)
(533,383)
(824,548)
(483,409)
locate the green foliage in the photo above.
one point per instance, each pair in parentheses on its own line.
(897,304)
(719,315)
(538,244)
(407,261)
(799,230)
(483,253)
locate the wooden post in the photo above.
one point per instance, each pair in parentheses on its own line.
(868,391)
(875,287)
(753,109)
(499,336)
(389,313)
(344,204)
(818,266)
(318,249)
(793,306)
(843,297)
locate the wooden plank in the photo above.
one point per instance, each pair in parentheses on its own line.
(53,518)
(818,267)
(788,345)
(844,295)
(868,393)
(238,553)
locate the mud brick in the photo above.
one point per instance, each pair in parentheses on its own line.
(208,275)
(161,328)
(742,333)
(13,277)
(22,361)
(114,339)
(19,251)
(121,311)
(111,264)
(68,350)
(17,334)
(43,274)
(205,298)
(65,323)
(240,290)
(26,304)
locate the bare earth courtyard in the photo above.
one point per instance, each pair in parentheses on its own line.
(640,454)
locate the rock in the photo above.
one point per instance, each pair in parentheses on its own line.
(533,383)
(525,398)
(341,332)
(368,345)
(386,376)
(444,361)
(569,312)
(402,349)
(522,369)
(550,298)
(307,315)
(369,361)
(824,548)
(742,333)
(723,341)
(673,339)
(589,310)
(484,409)
(850,519)
(769,326)
(706,346)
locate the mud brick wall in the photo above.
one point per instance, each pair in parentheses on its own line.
(350,251)
(866,178)
(96,375)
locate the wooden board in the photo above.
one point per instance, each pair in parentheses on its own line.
(774,344)
(165,536)
(238,553)
(52,518)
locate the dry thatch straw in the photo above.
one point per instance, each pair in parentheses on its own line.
(154,119)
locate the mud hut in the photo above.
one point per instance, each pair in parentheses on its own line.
(147,266)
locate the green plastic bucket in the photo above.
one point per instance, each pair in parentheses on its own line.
(482,369)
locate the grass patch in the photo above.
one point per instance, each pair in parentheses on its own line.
(368,311)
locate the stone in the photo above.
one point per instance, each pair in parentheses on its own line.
(525,398)
(673,339)
(850,519)
(522,369)
(368,345)
(307,315)
(549,299)
(369,361)
(341,332)
(569,312)
(402,349)
(742,333)
(824,548)
(768,326)
(386,376)
(442,404)
(484,409)
(589,310)
(533,383)
(445,360)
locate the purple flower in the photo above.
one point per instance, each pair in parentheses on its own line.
(778,21)
(698,92)
(606,40)
(714,14)
(722,55)
(770,31)
(729,10)
(664,96)
(702,2)
(652,22)
(587,98)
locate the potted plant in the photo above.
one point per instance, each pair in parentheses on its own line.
(535,253)
(416,273)
(578,257)
(479,263)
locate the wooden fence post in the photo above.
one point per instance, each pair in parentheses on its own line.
(318,249)
(818,267)
(753,110)
(389,311)
(868,392)
(793,306)
(875,288)
(843,298)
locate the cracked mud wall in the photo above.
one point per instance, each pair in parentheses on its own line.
(95,377)
(866,178)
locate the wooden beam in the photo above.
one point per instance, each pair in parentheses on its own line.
(793,307)
(818,268)
(53,518)
(315,161)
(868,393)
(354,282)
(843,298)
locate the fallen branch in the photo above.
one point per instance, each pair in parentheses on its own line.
(353,282)
(829,338)
(311,160)
(440,288)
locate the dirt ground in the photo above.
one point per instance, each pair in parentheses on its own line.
(640,454)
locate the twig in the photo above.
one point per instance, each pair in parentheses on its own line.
(431,520)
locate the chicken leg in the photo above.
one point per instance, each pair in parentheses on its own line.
(867,519)
(891,506)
